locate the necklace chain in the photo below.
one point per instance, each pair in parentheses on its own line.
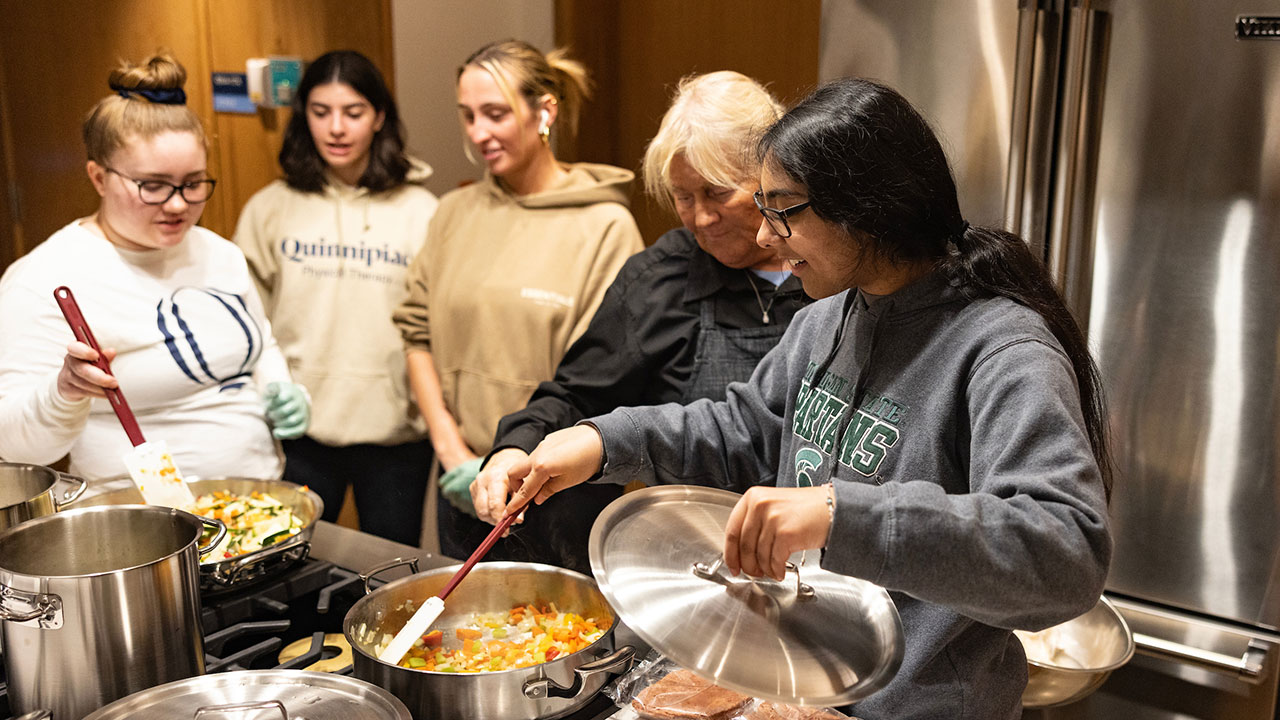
(764,309)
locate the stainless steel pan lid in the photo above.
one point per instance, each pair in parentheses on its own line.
(816,638)
(265,693)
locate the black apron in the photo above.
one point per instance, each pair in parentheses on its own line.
(724,356)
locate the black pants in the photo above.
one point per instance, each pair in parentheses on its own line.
(389,482)
(554,533)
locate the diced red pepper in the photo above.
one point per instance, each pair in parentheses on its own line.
(433,639)
(552,653)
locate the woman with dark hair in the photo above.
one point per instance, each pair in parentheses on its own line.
(935,423)
(329,246)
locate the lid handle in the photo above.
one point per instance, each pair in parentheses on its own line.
(243,707)
(804,591)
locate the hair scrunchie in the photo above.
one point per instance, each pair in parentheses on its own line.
(171,96)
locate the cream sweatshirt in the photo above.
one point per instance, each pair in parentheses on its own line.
(331,269)
(506,283)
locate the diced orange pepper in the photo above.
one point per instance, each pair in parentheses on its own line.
(468,634)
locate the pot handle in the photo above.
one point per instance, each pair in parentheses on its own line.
(615,663)
(367,576)
(239,707)
(44,610)
(261,562)
(219,532)
(73,495)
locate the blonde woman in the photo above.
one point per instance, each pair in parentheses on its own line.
(171,304)
(686,317)
(514,266)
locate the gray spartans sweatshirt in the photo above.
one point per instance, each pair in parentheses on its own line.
(964,482)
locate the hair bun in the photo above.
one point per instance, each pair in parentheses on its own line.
(158,79)
(158,72)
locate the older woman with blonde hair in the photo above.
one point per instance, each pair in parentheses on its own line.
(691,314)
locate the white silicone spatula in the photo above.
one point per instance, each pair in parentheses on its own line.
(150,464)
(422,618)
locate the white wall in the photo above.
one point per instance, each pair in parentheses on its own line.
(431,39)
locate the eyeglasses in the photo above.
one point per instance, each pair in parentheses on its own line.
(158,192)
(778,218)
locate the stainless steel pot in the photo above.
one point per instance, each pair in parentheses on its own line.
(235,573)
(98,603)
(30,491)
(542,691)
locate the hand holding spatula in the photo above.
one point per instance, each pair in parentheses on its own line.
(431,609)
(150,464)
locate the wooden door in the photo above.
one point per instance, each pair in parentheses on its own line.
(638,49)
(54,61)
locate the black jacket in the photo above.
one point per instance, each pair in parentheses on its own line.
(639,349)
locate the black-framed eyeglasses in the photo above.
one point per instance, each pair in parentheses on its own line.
(158,192)
(778,217)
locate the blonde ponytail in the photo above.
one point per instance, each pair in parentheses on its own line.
(573,87)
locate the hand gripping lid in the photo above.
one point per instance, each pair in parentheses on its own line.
(816,638)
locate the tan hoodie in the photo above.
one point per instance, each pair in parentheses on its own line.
(331,268)
(506,283)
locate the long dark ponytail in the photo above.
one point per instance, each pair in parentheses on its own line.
(871,164)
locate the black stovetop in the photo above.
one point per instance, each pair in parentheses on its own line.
(293,620)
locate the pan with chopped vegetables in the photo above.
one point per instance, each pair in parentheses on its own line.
(269,526)
(516,641)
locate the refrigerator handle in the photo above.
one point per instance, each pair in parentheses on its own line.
(1024,71)
(1035,88)
(1248,666)
(1071,227)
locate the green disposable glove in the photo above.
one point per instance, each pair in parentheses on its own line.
(288,408)
(455,485)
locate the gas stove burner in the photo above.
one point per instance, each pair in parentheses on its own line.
(318,646)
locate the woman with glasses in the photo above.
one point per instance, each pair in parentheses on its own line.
(171,305)
(934,423)
(330,245)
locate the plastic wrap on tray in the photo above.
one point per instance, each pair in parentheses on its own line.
(658,689)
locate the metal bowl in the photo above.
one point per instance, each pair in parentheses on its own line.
(1099,639)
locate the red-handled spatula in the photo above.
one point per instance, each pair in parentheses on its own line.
(150,464)
(434,605)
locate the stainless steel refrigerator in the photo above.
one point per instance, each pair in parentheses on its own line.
(1136,145)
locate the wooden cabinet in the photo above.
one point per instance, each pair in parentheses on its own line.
(637,50)
(54,60)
